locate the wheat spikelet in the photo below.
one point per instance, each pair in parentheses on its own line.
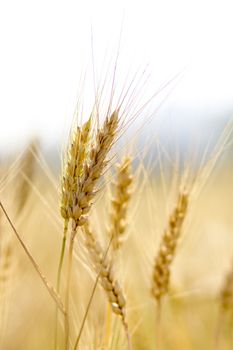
(104,268)
(161,272)
(120,202)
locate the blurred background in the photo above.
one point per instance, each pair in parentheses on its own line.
(47,46)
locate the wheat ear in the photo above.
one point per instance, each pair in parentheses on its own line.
(86,189)
(166,254)
(120,202)
(75,160)
(76,156)
(93,168)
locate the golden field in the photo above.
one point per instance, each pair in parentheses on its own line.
(191,315)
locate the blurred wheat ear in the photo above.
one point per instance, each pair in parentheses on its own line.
(166,255)
(167,250)
(120,202)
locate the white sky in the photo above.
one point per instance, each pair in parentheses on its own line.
(45,46)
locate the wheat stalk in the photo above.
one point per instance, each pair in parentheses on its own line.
(76,155)
(86,190)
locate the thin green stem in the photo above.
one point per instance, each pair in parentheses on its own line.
(129,342)
(67,295)
(158,326)
(62,254)
(86,313)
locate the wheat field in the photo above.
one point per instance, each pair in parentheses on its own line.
(120,249)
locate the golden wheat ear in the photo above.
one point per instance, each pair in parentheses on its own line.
(167,250)
(93,169)
(120,202)
(86,161)
(75,159)
(80,196)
